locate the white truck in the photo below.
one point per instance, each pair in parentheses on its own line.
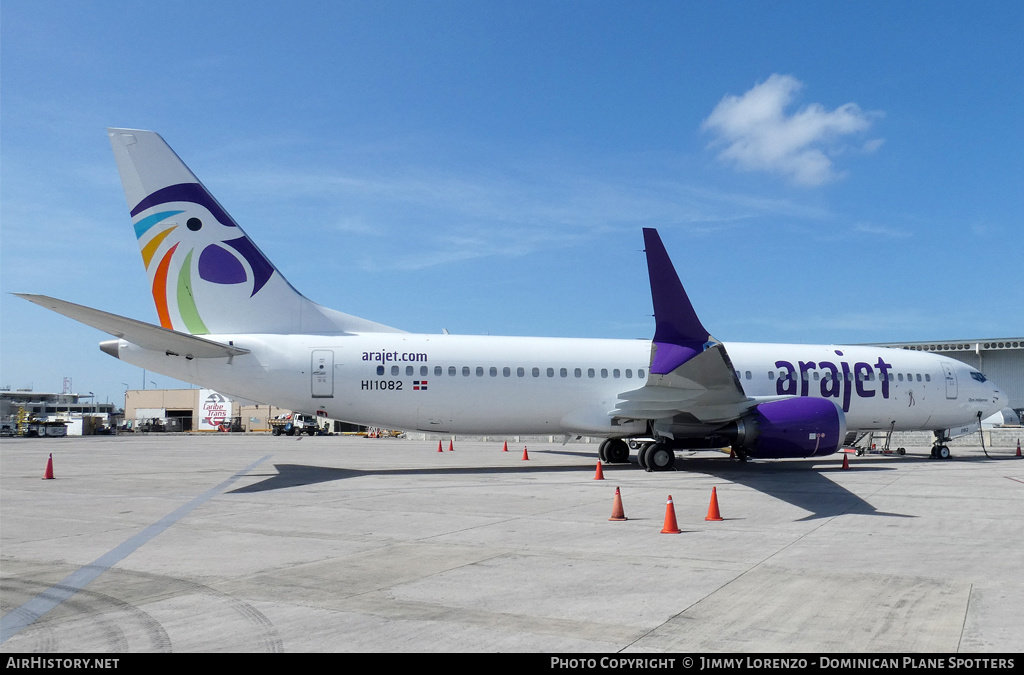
(294,423)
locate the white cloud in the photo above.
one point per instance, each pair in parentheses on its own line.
(881,231)
(760,135)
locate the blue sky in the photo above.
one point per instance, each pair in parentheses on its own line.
(819,171)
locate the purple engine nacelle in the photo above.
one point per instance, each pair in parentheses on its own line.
(791,428)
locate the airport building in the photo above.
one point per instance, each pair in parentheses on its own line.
(80,416)
(172,410)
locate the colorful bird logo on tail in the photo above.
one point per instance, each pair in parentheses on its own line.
(188,242)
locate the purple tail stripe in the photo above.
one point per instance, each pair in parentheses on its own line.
(668,357)
(678,332)
(186,192)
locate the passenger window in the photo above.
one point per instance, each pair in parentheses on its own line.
(424,371)
(394,370)
(615,373)
(604,372)
(520,372)
(536,372)
(771,375)
(640,373)
(380,370)
(578,372)
(451,371)
(465,371)
(408,370)
(551,372)
(927,377)
(629,372)
(493,371)
(438,371)
(590,372)
(563,372)
(479,371)
(506,371)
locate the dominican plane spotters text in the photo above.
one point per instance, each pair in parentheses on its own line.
(230,321)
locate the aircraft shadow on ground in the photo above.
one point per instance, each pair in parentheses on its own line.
(803,484)
(295,475)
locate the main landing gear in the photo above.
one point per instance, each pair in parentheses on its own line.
(614,451)
(658,456)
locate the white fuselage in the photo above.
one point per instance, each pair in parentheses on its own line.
(517,385)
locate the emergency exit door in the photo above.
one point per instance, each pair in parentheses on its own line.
(322,373)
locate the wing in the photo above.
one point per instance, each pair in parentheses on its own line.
(691,374)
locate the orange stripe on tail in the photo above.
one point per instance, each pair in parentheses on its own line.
(160,290)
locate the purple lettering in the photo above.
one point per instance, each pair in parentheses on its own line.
(830,386)
(805,378)
(862,381)
(883,375)
(847,388)
(786,384)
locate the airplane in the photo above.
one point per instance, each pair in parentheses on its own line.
(230,321)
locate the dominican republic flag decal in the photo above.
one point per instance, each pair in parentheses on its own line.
(419,385)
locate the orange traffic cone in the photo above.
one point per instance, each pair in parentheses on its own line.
(49,468)
(670,518)
(713,513)
(600,472)
(504,447)
(451,445)
(525,456)
(439,448)
(617,513)
(846,461)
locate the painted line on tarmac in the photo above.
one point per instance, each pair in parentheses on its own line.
(21,618)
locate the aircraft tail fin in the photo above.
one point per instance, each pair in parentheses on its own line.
(678,335)
(206,275)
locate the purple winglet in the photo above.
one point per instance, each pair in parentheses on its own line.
(678,334)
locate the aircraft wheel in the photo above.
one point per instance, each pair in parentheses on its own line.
(942,452)
(641,455)
(661,457)
(617,451)
(602,450)
(901,451)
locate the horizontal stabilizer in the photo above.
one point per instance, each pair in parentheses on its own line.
(143,334)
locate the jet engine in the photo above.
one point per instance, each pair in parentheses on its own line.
(790,428)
